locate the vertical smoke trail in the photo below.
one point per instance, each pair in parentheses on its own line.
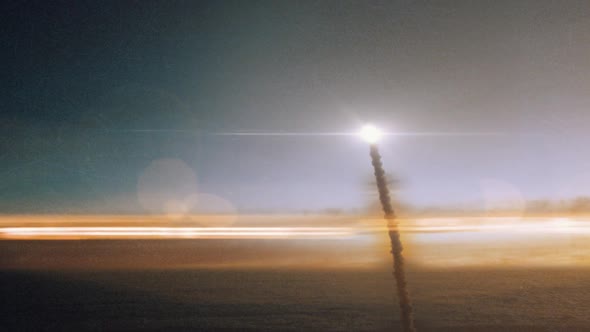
(396,244)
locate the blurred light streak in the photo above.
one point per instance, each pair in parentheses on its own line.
(85,227)
(311,134)
(60,233)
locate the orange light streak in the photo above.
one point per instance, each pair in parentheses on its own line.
(61,233)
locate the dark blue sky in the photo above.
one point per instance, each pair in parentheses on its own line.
(95,91)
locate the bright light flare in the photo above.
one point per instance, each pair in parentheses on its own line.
(370,134)
(64,233)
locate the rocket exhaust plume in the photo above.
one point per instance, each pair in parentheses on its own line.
(396,244)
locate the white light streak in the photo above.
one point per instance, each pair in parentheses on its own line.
(395,134)
(174,232)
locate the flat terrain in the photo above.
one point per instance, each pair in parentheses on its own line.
(275,300)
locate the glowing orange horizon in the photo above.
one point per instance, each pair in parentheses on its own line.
(465,241)
(122,232)
(101,227)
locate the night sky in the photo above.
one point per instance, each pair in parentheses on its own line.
(110,106)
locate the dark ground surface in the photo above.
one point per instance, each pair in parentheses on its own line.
(207,300)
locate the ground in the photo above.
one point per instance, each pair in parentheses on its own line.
(282,299)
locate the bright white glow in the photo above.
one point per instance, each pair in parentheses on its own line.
(120,232)
(370,134)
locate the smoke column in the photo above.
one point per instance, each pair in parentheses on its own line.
(396,244)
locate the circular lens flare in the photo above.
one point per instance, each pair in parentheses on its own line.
(370,134)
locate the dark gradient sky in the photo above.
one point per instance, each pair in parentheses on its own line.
(95,91)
